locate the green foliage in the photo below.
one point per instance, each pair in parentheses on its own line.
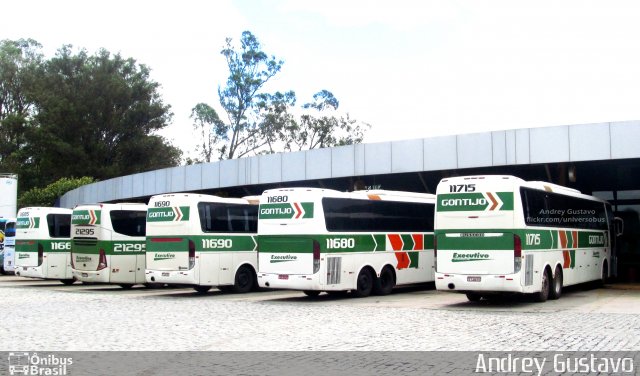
(262,122)
(78,114)
(47,196)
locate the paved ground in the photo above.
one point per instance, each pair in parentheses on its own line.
(47,316)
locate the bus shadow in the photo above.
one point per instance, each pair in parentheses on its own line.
(346,295)
(518,300)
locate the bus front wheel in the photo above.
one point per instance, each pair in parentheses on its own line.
(364,284)
(68,282)
(126,286)
(202,289)
(311,293)
(473,297)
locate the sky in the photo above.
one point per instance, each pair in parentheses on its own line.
(411,69)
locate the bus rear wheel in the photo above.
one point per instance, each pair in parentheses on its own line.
(311,293)
(364,284)
(556,285)
(245,280)
(126,286)
(68,281)
(545,285)
(202,289)
(385,283)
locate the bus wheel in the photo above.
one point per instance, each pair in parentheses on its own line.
(473,297)
(385,283)
(365,284)
(126,286)
(311,293)
(543,294)
(556,285)
(244,280)
(202,289)
(68,281)
(605,274)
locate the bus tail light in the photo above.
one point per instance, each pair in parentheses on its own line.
(192,254)
(316,256)
(73,264)
(517,253)
(102,260)
(40,254)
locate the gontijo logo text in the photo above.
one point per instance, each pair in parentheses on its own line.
(278,207)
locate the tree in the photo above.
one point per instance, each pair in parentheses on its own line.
(249,70)
(211,129)
(47,196)
(320,126)
(95,116)
(261,122)
(18,61)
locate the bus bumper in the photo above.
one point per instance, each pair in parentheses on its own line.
(488,283)
(100,276)
(175,277)
(30,271)
(294,282)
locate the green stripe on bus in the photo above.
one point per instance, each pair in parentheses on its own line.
(48,245)
(206,243)
(336,243)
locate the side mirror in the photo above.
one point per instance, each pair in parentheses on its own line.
(618,226)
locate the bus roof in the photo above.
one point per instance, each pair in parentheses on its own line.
(200,196)
(377,194)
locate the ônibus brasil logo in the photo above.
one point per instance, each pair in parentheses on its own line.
(24,363)
(294,210)
(464,257)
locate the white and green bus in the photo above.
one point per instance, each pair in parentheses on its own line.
(501,234)
(43,244)
(202,241)
(317,240)
(108,243)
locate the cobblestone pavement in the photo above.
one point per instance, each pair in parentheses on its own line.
(47,316)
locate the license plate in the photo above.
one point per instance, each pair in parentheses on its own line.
(85,274)
(165,274)
(474,279)
(283,276)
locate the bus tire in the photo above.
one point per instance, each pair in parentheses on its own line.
(311,293)
(385,283)
(245,280)
(68,282)
(545,286)
(338,294)
(605,273)
(555,290)
(126,286)
(201,289)
(473,296)
(364,283)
